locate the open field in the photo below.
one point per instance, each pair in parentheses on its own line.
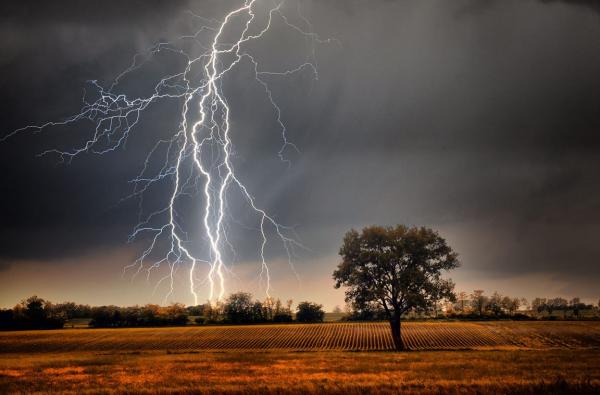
(471,358)
(309,337)
(282,372)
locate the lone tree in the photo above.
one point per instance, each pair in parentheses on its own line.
(398,268)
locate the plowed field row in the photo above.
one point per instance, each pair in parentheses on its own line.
(331,336)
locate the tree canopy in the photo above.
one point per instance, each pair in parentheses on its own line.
(310,312)
(398,268)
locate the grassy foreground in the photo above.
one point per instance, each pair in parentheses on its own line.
(273,372)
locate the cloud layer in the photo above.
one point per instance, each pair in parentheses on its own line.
(480,119)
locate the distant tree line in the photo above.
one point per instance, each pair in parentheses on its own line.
(574,307)
(32,313)
(478,305)
(238,308)
(138,316)
(498,306)
(241,308)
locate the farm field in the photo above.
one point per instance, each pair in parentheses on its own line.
(550,371)
(447,357)
(312,337)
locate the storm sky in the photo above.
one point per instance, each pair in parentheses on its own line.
(480,119)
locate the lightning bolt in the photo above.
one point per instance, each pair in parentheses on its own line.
(196,161)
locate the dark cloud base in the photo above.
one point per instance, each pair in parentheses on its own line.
(418,117)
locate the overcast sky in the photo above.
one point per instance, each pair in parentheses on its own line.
(480,119)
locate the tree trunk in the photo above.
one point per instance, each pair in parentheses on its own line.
(397,334)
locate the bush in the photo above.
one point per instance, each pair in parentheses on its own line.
(310,312)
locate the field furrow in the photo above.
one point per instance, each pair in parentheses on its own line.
(318,337)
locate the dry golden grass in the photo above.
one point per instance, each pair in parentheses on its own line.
(275,372)
(499,357)
(330,336)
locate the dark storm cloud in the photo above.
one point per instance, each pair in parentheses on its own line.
(477,6)
(111,11)
(51,210)
(455,121)
(591,4)
(477,117)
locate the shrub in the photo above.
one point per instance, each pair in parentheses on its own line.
(310,312)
